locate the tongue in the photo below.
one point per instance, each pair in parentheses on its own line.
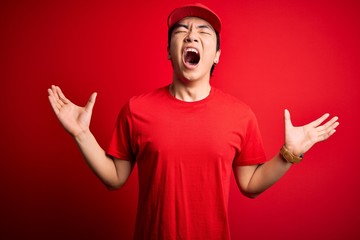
(192,58)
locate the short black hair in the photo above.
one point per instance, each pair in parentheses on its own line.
(217,43)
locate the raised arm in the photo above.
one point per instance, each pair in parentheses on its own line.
(254,179)
(76,121)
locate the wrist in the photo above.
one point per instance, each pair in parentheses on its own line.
(82,136)
(289,156)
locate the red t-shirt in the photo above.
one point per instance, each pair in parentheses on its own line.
(185,152)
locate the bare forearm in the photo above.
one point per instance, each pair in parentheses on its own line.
(255,179)
(76,120)
(101,164)
(266,175)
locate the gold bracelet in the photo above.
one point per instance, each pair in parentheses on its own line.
(288,156)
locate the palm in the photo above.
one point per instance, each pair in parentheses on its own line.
(74,119)
(301,139)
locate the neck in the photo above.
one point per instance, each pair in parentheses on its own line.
(189,92)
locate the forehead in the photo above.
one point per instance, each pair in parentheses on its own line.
(195,21)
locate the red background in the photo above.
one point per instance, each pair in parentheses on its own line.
(301,55)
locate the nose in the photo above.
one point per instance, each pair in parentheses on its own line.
(191,37)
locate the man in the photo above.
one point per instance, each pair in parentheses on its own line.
(187,139)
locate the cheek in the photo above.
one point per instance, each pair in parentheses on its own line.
(174,47)
(210,45)
(174,55)
(210,53)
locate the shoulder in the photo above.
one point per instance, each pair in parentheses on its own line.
(227,100)
(149,100)
(154,94)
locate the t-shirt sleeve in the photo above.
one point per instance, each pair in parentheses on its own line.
(120,142)
(252,150)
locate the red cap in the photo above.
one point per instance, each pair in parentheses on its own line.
(195,10)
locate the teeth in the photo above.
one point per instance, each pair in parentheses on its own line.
(191,50)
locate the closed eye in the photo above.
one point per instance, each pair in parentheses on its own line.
(205,29)
(180,31)
(180,28)
(204,32)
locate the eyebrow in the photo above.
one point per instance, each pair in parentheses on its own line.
(205,26)
(177,25)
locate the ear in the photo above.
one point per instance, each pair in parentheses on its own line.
(168,51)
(217,56)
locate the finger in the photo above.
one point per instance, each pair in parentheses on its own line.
(333,120)
(90,104)
(50,92)
(53,102)
(54,91)
(318,121)
(326,135)
(327,132)
(329,128)
(329,124)
(61,103)
(287,119)
(61,95)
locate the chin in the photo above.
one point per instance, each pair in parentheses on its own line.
(190,77)
(198,77)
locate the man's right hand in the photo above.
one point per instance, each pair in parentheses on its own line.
(74,119)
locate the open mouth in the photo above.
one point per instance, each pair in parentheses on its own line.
(191,56)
